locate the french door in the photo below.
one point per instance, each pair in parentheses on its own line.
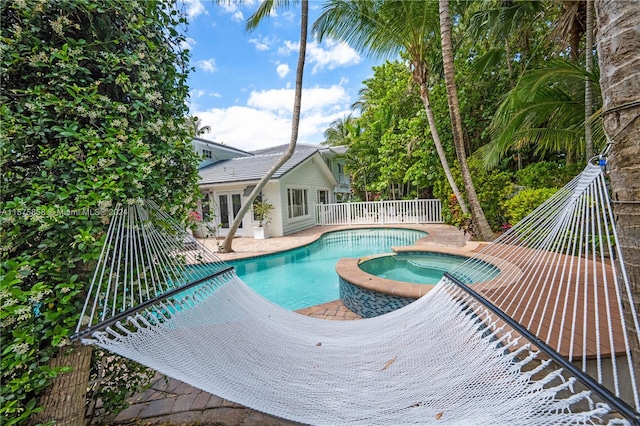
(229,204)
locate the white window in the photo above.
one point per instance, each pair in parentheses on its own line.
(297,202)
(207,153)
(323,196)
(207,215)
(258,199)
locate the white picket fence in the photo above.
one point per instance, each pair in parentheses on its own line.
(379,212)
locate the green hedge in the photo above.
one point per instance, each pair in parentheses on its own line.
(524,202)
(92,113)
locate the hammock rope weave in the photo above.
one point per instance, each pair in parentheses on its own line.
(162,299)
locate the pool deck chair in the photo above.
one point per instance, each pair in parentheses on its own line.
(548,340)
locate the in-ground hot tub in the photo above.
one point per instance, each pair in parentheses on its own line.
(375,285)
(419,268)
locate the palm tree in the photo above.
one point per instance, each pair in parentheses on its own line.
(588,86)
(339,131)
(571,26)
(546,111)
(198,128)
(575,20)
(385,28)
(617,39)
(267,7)
(500,20)
(503,23)
(483,227)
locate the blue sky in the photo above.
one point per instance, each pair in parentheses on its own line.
(243,82)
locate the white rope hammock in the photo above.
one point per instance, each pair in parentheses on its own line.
(160,298)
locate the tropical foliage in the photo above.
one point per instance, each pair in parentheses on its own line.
(521,84)
(388,28)
(525,201)
(545,114)
(93,106)
(93,114)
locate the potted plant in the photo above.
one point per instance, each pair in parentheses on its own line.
(262,211)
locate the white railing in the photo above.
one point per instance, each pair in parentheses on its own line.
(379,212)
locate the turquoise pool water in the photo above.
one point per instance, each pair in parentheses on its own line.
(306,276)
(419,268)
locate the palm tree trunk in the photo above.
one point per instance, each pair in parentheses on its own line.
(507,52)
(588,92)
(420,78)
(295,123)
(618,38)
(64,400)
(479,219)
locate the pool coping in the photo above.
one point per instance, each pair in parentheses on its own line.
(349,270)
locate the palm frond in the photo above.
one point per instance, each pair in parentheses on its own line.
(545,111)
(489,60)
(380,29)
(266,9)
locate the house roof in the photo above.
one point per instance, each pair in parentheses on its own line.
(221,147)
(334,150)
(256,166)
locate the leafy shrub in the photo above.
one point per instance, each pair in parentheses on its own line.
(110,376)
(92,113)
(546,174)
(524,202)
(492,188)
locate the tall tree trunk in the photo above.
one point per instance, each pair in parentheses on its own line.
(479,219)
(618,38)
(588,92)
(64,400)
(507,53)
(295,123)
(420,78)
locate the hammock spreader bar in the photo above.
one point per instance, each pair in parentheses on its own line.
(124,314)
(618,404)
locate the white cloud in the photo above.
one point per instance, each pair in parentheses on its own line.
(231,8)
(207,65)
(262,43)
(266,119)
(237,16)
(332,54)
(195,8)
(228,7)
(289,47)
(281,100)
(246,128)
(282,70)
(288,15)
(197,93)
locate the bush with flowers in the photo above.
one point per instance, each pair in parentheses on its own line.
(92,114)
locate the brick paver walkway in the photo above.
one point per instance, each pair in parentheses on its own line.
(170,401)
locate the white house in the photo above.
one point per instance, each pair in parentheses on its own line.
(212,152)
(313,175)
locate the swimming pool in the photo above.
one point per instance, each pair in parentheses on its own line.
(306,276)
